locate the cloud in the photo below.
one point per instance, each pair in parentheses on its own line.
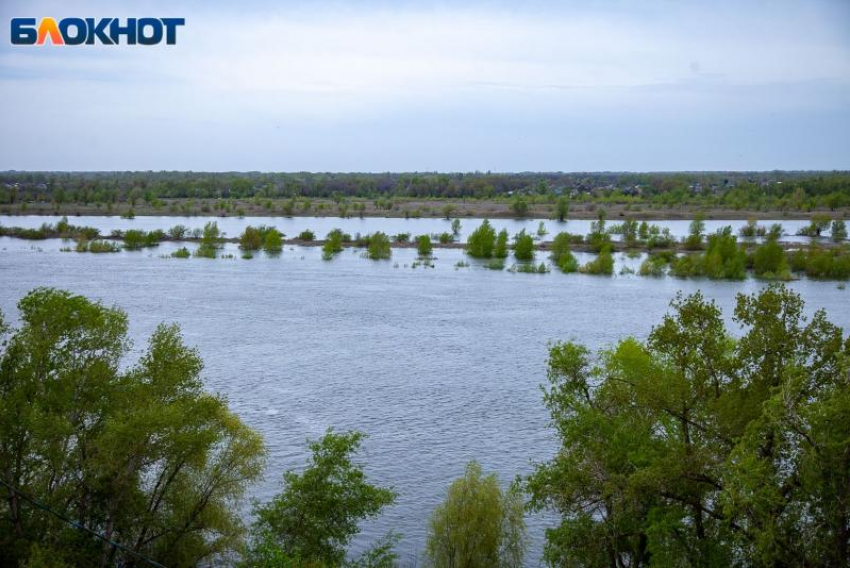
(325,72)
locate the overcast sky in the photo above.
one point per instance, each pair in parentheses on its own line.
(455,86)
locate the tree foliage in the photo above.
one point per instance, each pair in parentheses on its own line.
(423,245)
(273,241)
(250,239)
(378,246)
(312,521)
(694,448)
(523,246)
(481,241)
(478,524)
(603,264)
(139,454)
(562,208)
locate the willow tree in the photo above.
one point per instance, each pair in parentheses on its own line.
(478,524)
(696,448)
(138,454)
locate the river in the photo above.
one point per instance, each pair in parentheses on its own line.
(438,365)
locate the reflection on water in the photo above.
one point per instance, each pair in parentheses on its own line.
(439,366)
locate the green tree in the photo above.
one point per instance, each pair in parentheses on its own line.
(519,206)
(135,239)
(501,248)
(769,260)
(478,525)
(332,245)
(481,241)
(312,521)
(723,259)
(818,224)
(273,241)
(250,239)
(562,208)
(523,246)
(178,232)
(379,246)
(139,454)
(210,241)
(423,245)
(603,263)
(455,227)
(695,448)
(695,234)
(561,254)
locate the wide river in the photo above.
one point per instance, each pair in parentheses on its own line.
(438,365)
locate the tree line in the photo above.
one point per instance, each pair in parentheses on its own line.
(738,190)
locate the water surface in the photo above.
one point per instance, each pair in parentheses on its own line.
(438,365)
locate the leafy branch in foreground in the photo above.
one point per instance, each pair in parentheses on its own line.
(140,455)
(478,524)
(695,448)
(315,517)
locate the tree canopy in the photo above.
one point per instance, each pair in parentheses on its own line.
(697,448)
(478,525)
(313,519)
(139,454)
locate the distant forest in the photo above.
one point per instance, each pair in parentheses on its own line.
(793,190)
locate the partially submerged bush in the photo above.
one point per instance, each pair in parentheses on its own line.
(603,264)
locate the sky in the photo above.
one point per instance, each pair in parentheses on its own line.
(373,86)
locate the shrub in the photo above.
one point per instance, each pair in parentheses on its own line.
(482,240)
(817,225)
(273,241)
(519,206)
(306,235)
(379,246)
(561,254)
(653,266)
(178,232)
(523,246)
(752,229)
(333,244)
(103,246)
(501,249)
(531,268)
(181,253)
(135,239)
(603,264)
(769,261)
(250,239)
(423,245)
(694,239)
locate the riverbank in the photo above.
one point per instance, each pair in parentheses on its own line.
(406,208)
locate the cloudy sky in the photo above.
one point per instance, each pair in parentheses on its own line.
(375,85)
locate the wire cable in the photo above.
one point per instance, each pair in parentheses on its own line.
(78,526)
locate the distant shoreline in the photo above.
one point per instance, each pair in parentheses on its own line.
(409,209)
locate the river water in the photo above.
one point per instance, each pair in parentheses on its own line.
(438,365)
